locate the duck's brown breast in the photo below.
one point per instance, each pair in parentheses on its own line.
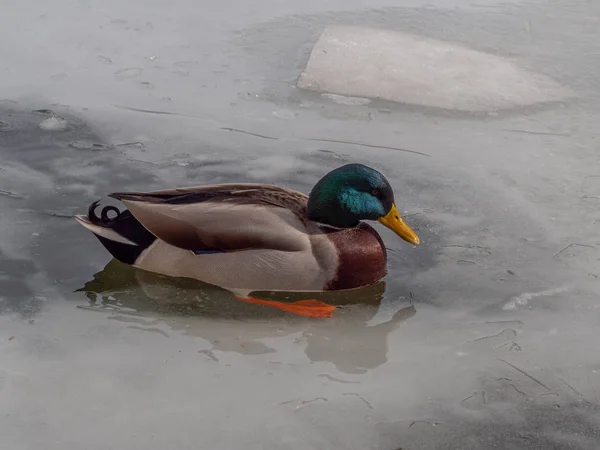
(361,255)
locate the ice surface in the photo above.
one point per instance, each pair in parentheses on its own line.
(94,355)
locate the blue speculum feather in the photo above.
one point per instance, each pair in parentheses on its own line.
(207,252)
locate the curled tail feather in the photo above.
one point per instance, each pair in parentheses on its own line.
(122,235)
(103,213)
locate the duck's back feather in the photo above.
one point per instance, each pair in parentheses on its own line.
(236,193)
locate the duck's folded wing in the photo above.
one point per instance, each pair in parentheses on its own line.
(212,220)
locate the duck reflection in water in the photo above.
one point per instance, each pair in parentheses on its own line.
(143,300)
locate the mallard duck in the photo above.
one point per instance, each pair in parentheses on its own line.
(258,237)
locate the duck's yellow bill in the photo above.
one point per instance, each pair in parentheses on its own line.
(394,222)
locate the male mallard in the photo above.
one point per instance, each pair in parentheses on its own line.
(258,237)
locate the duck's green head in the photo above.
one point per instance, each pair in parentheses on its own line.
(355,192)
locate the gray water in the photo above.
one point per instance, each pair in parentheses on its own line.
(485,336)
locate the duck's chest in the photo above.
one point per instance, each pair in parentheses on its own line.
(361,257)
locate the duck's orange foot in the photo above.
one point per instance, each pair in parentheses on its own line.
(308,308)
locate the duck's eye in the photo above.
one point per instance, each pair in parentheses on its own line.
(375,193)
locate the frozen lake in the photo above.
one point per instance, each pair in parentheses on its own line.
(484,336)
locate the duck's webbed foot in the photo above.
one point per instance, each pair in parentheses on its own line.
(308,308)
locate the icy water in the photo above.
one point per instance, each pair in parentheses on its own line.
(484,336)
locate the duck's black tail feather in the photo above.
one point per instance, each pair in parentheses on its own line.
(120,233)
